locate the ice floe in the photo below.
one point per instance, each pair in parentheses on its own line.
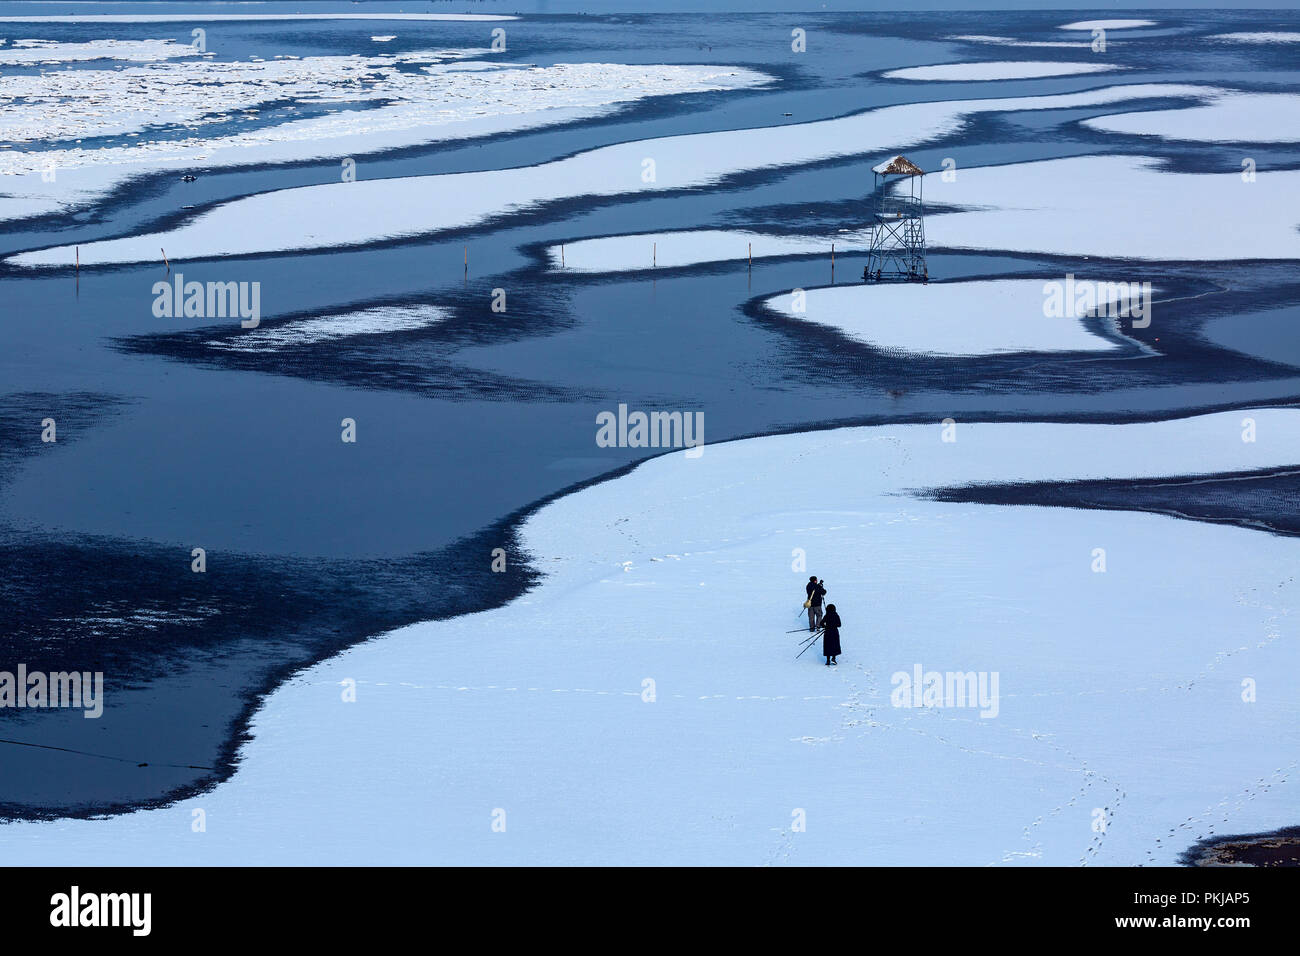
(349,214)
(1230,118)
(1262,37)
(667,250)
(1013,41)
(1107,24)
(997,70)
(630,709)
(24,52)
(379,320)
(949,318)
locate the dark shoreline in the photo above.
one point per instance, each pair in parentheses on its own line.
(1233,498)
(1275,849)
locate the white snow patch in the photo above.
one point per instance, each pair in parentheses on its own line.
(351,214)
(949,318)
(1108,24)
(1265,37)
(1231,118)
(1013,41)
(1118,207)
(1117,690)
(374,321)
(668,250)
(998,70)
(52,51)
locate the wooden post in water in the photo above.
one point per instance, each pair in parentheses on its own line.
(654,255)
(832,263)
(165,262)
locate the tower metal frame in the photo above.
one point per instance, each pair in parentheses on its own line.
(897,248)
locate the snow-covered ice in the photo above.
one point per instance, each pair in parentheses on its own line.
(1123,207)
(949,318)
(643,705)
(350,214)
(75,104)
(997,70)
(1107,24)
(1113,206)
(1230,118)
(448,98)
(24,52)
(667,250)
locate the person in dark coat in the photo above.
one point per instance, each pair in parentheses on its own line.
(831,635)
(816,590)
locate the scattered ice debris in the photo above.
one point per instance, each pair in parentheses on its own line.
(380,103)
(379,320)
